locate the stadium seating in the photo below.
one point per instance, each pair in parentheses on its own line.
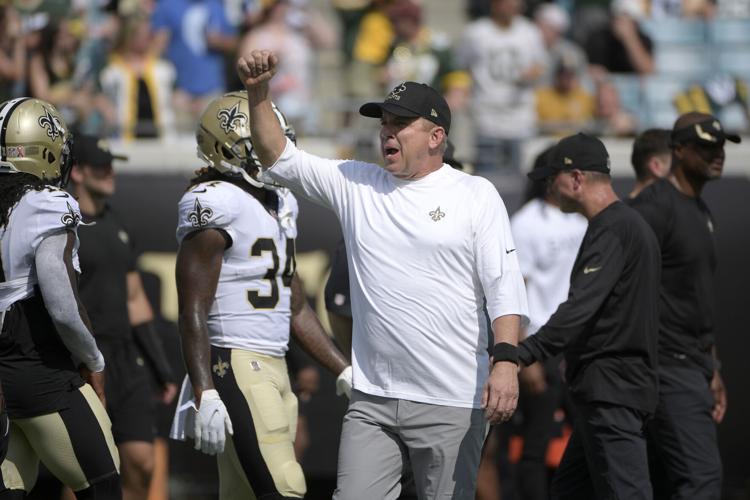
(672,31)
(683,61)
(658,94)
(729,31)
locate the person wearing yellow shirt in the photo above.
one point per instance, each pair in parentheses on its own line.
(564,107)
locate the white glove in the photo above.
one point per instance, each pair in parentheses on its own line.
(211,420)
(344,382)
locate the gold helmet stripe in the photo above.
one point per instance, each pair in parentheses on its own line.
(5,113)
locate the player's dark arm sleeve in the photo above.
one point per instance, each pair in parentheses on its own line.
(309,333)
(594,275)
(197,273)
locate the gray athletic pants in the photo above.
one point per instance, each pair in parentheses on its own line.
(382,436)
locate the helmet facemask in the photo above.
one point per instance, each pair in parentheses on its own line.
(66,163)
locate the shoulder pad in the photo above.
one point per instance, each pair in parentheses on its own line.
(53,208)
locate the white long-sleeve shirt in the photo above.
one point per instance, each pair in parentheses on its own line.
(423,255)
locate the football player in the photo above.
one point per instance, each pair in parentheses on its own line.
(47,351)
(239,296)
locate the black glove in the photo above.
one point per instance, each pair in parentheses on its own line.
(147,338)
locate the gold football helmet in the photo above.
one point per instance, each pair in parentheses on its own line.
(34,139)
(224,140)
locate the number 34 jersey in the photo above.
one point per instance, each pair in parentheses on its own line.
(251,309)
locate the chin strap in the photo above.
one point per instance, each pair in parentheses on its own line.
(225,166)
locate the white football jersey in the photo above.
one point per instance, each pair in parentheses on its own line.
(37,215)
(251,309)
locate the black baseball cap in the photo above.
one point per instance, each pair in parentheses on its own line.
(412,99)
(575,152)
(94,152)
(708,131)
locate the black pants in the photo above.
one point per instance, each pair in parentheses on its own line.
(682,436)
(538,412)
(606,456)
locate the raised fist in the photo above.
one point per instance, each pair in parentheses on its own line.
(257,67)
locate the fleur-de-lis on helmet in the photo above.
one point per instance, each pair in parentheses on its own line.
(200,215)
(231,118)
(51,124)
(71,218)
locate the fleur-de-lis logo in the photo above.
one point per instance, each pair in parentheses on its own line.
(71,218)
(231,118)
(200,215)
(395,93)
(437,214)
(220,368)
(51,124)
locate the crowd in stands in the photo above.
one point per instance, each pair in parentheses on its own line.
(146,68)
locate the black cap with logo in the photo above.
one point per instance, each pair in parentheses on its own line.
(94,152)
(575,152)
(411,99)
(709,131)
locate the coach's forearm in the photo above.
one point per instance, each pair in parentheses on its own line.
(268,138)
(507,329)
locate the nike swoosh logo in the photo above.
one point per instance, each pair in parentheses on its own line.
(509,251)
(61,196)
(587,270)
(197,191)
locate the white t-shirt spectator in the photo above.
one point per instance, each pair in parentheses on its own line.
(502,106)
(547,241)
(423,254)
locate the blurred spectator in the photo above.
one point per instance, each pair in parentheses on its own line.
(51,67)
(664,8)
(565,107)
(420,55)
(702,9)
(505,56)
(370,52)
(293,31)
(721,94)
(350,14)
(621,46)
(610,117)
(138,85)
(12,53)
(733,9)
(195,34)
(553,22)
(476,9)
(101,27)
